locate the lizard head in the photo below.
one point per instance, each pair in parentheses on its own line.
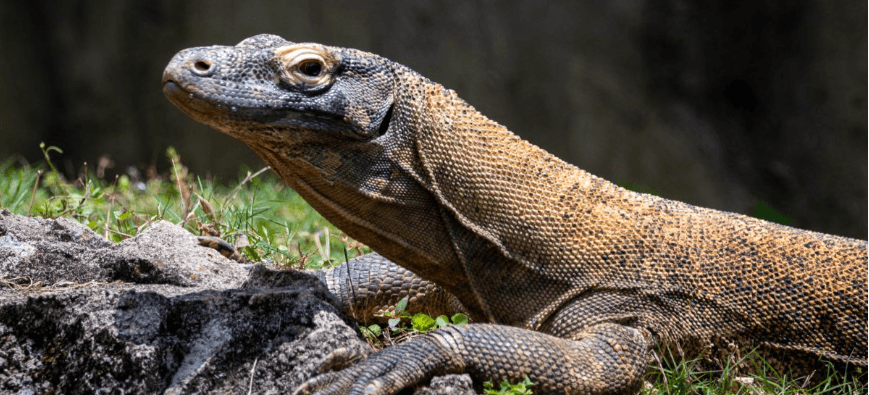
(267,88)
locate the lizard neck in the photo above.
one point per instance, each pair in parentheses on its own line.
(372,200)
(513,212)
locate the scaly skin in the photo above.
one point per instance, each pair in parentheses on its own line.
(368,286)
(576,278)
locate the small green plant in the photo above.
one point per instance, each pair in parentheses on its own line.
(45,152)
(521,388)
(420,322)
(372,332)
(399,319)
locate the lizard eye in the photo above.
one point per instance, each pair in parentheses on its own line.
(305,65)
(311,68)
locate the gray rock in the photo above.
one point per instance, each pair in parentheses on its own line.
(154,314)
(50,251)
(450,384)
(157,313)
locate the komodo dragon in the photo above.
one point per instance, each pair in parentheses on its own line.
(571,280)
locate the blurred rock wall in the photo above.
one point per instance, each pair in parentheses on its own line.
(734,105)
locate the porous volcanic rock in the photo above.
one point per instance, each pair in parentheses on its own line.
(157,313)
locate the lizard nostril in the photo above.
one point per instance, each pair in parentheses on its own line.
(202,67)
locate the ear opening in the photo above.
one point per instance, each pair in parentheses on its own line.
(384,124)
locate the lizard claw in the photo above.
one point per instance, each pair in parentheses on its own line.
(321,381)
(340,359)
(331,370)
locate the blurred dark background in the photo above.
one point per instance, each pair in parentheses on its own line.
(757,107)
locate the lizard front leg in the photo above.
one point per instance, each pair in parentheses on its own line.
(369,285)
(602,359)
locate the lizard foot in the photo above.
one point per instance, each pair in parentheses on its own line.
(384,373)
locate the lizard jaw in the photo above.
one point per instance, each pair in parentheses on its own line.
(200,110)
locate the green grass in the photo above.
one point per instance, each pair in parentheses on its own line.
(279,225)
(275,221)
(750,375)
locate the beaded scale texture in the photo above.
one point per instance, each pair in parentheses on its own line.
(570,279)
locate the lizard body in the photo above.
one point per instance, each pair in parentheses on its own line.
(576,277)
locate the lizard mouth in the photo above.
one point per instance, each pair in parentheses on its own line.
(210,110)
(199,109)
(235,119)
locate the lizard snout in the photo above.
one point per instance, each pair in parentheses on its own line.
(196,62)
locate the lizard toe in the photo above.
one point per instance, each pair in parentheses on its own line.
(221,246)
